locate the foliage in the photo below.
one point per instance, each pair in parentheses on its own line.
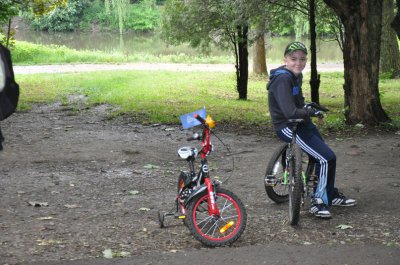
(143,16)
(62,18)
(224,23)
(288,17)
(8,9)
(140,17)
(120,8)
(202,23)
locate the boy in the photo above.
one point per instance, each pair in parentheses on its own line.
(286,101)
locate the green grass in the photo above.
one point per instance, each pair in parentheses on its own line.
(162,96)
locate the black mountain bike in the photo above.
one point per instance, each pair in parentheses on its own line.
(285,180)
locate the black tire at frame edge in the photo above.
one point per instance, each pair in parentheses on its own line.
(269,189)
(298,187)
(199,237)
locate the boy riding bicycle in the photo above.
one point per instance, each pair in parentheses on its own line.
(286,101)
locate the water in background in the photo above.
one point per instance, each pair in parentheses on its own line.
(132,43)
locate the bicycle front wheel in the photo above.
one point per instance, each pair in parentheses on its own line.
(295,184)
(220,230)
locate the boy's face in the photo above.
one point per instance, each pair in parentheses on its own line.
(296,61)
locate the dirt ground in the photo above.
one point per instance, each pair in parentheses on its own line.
(74,184)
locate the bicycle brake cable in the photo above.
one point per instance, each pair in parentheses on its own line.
(229,154)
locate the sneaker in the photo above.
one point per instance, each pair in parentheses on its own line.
(319,209)
(341,200)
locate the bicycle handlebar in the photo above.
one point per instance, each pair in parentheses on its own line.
(317,106)
(199,118)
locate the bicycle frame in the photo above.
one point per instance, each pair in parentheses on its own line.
(203,174)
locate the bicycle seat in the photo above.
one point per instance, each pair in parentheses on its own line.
(295,120)
(186,152)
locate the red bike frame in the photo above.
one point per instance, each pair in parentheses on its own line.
(205,151)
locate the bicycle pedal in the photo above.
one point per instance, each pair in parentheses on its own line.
(179,216)
(270,180)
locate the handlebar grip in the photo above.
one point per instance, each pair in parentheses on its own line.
(318,107)
(199,118)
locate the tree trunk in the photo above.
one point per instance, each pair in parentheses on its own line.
(243,67)
(390,55)
(362,21)
(314,80)
(396,21)
(259,63)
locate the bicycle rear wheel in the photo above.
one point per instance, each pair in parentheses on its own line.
(220,230)
(276,169)
(295,184)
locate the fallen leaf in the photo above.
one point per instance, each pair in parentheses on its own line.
(343,227)
(150,166)
(107,253)
(45,218)
(121,254)
(133,192)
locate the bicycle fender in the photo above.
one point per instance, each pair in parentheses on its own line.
(199,191)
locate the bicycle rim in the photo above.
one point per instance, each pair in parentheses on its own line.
(222,230)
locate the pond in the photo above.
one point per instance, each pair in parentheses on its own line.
(132,43)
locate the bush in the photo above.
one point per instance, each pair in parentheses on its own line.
(62,18)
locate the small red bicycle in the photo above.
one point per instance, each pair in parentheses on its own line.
(214,216)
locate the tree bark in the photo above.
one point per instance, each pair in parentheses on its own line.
(259,63)
(242,69)
(362,21)
(396,21)
(390,55)
(314,80)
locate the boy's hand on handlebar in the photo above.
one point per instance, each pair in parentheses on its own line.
(316,106)
(315,110)
(312,112)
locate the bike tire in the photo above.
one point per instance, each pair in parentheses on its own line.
(295,185)
(276,166)
(207,229)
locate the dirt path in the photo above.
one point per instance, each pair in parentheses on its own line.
(74,184)
(68,68)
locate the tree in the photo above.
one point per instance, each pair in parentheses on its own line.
(390,55)
(362,21)
(120,8)
(259,62)
(10,8)
(225,23)
(396,21)
(307,9)
(315,77)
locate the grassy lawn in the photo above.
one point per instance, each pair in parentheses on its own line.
(162,96)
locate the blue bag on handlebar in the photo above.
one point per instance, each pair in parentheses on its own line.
(188,120)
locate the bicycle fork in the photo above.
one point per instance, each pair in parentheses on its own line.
(212,205)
